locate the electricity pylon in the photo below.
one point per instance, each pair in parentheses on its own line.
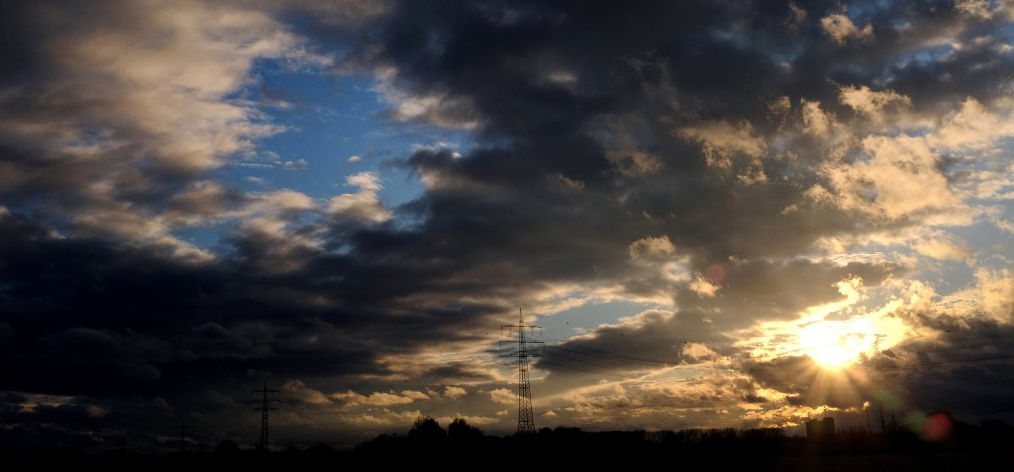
(526,417)
(268,402)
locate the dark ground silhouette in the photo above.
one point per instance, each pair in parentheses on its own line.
(988,446)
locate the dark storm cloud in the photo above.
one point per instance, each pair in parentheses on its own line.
(583,115)
(543,133)
(125,319)
(968,368)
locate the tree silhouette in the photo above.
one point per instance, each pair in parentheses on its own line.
(426,429)
(460,430)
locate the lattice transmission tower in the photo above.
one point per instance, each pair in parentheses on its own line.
(268,401)
(526,417)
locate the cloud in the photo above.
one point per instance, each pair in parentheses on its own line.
(897,168)
(365,205)
(502,396)
(144,114)
(345,14)
(365,181)
(815,120)
(971,126)
(721,140)
(415,395)
(652,247)
(207,202)
(997,290)
(703,287)
(635,163)
(454,392)
(979,9)
(841,29)
(698,351)
(942,249)
(868,102)
(434,108)
(375,399)
(298,390)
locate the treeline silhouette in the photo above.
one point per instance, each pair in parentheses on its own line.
(991,443)
(987,446)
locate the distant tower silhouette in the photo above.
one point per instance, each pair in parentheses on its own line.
(268,402)
(526,417)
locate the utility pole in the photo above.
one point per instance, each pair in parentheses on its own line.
(268,402)
(526,417)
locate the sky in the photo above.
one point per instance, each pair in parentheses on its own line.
(723,213)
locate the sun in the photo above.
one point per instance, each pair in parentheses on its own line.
(834,345)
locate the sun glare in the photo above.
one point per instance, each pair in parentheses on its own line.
(833,344)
